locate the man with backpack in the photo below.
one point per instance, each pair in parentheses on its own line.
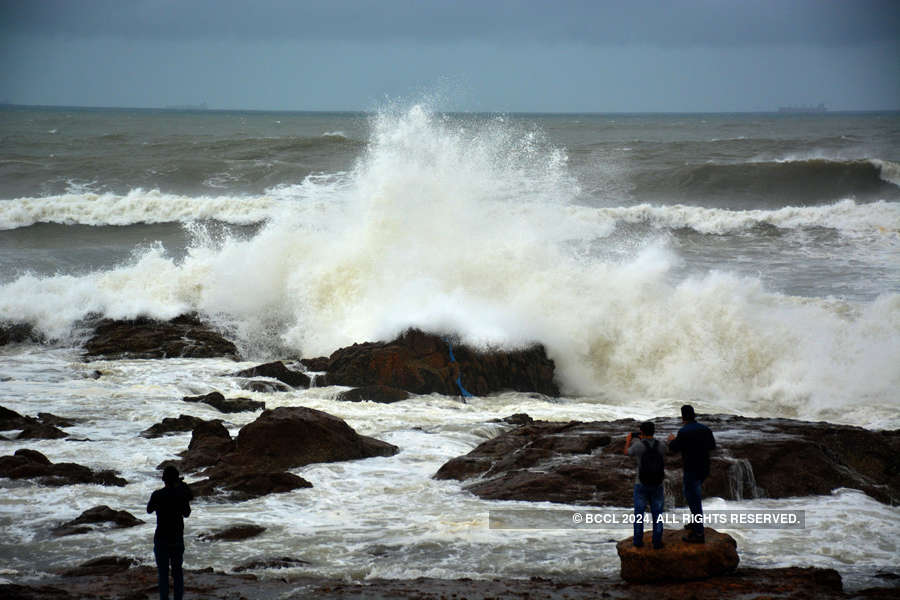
(648,487)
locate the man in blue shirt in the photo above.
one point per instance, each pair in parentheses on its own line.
(695,442)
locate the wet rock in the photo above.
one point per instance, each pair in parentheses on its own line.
(54,420)
(10,420)
(182,337)
(420,363)
(678,560)
(39,431)
(319,364)
(30,464)
(173,425)
(220,403)
(374,393)
(265,387)
(119,519)
(277,370)
(210,440)
(516,419)
(18,333)
(254,463)
(283,562)
(232,534)
(105,565)
(776,458)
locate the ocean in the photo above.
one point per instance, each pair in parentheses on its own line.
(746,263)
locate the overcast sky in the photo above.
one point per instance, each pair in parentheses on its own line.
(490,55)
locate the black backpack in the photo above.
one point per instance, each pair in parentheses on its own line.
(650,471)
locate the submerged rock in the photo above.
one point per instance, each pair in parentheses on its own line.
(42,428)
(583,463)
(31,464)
(119,519)
(374,393)
(220,403)
(677,560)
(277,370)
(182,337)
(232,534)
(420,363)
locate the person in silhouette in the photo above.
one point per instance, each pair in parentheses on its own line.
(695,441)
(171,504)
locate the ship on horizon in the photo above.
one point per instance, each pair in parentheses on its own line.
(820,108)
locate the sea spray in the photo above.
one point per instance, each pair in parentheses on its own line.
(473,227)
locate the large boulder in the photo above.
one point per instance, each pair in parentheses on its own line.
(294,436)
(374,393)
(255,463)
(18,333)
(584,463)
(31,464)
(678,560)
(182,337)
(420,363)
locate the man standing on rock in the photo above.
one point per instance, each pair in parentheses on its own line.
(171,504)
(648,486)
(695,442)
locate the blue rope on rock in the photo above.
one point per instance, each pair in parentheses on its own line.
(462,390)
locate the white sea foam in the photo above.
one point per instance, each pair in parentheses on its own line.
(137,206)
(469,229)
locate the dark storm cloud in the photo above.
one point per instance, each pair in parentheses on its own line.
(680,23)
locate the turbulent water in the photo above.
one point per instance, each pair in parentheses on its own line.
(748,264)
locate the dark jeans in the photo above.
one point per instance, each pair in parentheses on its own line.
(652,495)
(693,496)
(165,554)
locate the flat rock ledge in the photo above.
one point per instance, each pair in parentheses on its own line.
(185,336)
(678,560)
(583,463)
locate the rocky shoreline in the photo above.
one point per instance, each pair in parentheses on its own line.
(565,462)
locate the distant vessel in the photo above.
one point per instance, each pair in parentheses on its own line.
(802,109)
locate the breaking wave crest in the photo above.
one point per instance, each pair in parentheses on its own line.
(469,228)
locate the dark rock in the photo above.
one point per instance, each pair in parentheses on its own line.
(775,458)
(277,370)
(172,425)
(245,485)
(105,565)
(291,437)
(516,419)
(318,364)
(185,336)
(119,519)
(285,438)
(420,363)
(374,393)
(678,560)
(265,387)
(39,431)
(30,464)
(10,419)
(218,401)
(283,562)
(56,421)
(210,440)
(232,534)
(18,333)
